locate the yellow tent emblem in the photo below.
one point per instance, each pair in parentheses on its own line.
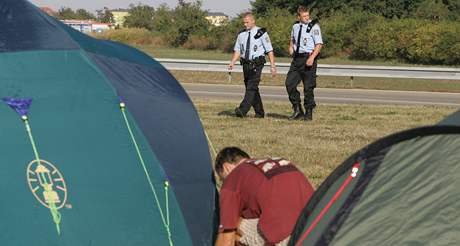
(47,184)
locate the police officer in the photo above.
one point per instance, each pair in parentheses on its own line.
(304,47)
(251,46)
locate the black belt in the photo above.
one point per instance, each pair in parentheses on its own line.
(256,61)
(302,55)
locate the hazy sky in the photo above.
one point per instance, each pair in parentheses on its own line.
(229,7)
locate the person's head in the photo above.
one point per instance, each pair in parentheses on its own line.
(227,159)
(249,21)
(303,13)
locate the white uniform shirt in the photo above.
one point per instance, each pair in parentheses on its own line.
(257,47)
(307,40)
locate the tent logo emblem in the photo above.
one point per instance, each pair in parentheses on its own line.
(47,184)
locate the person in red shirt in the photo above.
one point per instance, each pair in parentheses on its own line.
(260,199)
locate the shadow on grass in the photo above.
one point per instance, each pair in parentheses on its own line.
(277,116)
(231,113)
(227,113)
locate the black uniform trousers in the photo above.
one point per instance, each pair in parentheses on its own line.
(300,72)
(252,73)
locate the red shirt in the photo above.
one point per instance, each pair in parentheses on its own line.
(273,190)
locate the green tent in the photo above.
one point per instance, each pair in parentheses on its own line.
(403,189)
(99,144)
(453,119)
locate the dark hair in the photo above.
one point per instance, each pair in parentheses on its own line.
(231,155)
(302,9)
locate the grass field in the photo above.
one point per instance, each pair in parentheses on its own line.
(318,146)
(327,81)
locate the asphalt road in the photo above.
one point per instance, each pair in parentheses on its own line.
(322,95)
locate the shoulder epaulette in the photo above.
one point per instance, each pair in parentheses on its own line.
(297,22)
(311,24)
(241,31)
(260,32)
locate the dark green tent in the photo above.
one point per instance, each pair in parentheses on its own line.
(99,144)
(453,119)
(403,189)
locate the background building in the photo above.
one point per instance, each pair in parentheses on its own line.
(217,18)
(119,16)
(87,26)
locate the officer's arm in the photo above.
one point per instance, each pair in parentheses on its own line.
(236,53)
(226,239)
(316,50)
(291,48)
(235,57)
(291,43)
(314,54)
(271,57)
(318,41)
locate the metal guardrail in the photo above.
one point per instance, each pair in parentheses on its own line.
(323,69)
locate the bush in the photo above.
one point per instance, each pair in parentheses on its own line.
(339,31)
(437,43)
(133,36)
(279,24)
(377,40)
(225,36)
(410,40)
(178,24)
(199,42)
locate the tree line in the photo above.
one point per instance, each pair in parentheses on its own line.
(414,31)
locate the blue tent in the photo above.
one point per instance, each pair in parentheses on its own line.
(100,145)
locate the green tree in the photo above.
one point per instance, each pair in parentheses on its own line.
(432,10)
(262,7)
(278,23)
(104,15)
(385,8)
(190,19)
(140,16)
(66,13)
(163,19)
(186,19)
(84,15)
(454,8)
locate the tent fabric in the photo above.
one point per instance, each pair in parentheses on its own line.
(24,27)
(406,188)
(453,119)
(76,84)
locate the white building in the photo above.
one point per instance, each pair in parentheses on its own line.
(87,26)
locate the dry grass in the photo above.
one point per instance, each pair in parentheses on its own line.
(131,36)
(328,81)
(319,146)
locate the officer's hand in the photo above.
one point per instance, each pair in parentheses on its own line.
(230,66)
(273,71)
(291,51)
(310,61)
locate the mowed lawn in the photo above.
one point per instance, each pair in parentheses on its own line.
(319,146)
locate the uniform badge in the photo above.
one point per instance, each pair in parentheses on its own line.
(255,48)
(316,32)
(305,41)
(267,39)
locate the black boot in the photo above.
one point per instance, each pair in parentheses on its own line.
(298,112)
(239,113)
(308,114)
